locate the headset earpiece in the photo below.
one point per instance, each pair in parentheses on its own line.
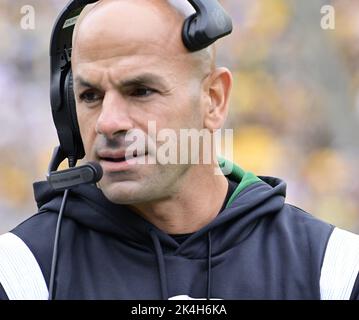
(65,119)
(208,24)
(70,105)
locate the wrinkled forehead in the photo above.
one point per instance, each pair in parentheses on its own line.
(128,27)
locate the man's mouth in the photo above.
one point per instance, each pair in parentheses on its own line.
(113,159)
(121,158)
(117,161)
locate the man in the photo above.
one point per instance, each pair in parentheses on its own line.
(164,231)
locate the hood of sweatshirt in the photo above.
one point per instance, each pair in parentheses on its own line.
(253,198)
(87,207)
(257,247)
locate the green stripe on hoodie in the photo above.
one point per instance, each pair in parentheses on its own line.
(237,174)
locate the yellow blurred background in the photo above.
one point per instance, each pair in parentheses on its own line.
(294,109)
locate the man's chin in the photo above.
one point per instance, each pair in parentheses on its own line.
(122,192)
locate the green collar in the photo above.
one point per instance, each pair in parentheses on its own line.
(245,179)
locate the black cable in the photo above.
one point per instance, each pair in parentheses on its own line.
(56,245)
(72,163)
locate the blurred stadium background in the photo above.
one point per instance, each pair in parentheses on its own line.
(295,103)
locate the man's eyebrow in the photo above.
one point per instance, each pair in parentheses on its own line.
(148,79)
(85,83)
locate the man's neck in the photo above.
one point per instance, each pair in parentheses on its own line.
(199,200)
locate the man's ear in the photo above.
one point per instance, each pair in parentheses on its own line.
(218,89)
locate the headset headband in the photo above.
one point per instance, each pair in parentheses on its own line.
(209,23)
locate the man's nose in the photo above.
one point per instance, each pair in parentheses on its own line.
(114,117)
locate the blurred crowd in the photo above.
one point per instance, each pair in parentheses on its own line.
(294,109)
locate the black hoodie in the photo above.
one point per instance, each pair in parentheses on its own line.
(258,247)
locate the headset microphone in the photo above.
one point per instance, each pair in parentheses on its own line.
(91,172)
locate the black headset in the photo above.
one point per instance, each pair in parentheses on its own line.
(209,23)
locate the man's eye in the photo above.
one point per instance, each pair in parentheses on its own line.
(90,96)
(142,92)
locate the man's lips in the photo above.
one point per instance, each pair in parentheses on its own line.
(117,160)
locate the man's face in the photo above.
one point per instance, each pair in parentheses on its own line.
(131,68)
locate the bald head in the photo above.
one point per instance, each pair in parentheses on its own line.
(123,18)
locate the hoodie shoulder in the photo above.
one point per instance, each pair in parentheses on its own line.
(305,238)
(37,233)
(305,230)
(306,219)
(296,242)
